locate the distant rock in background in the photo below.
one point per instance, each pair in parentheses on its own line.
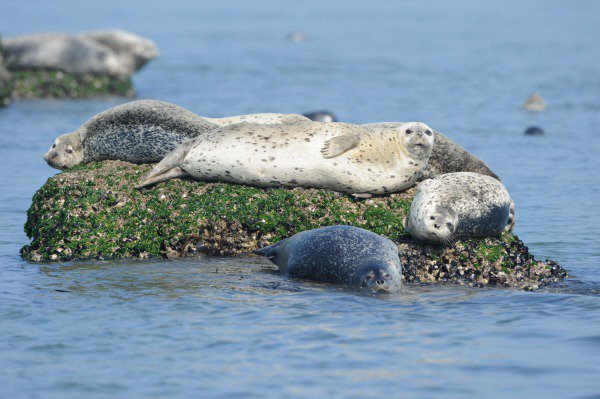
(535,103)
(534,131)
(297,37)
(321,116)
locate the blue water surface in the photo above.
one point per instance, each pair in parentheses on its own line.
(231,327)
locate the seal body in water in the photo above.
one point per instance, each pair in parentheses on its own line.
(134,50)
(447,157)
(459,205)
(139,132)
(63,52)
(335,156)
(340,255)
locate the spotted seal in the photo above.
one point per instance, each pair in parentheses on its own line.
(447,157)
(340,255)
(63,52)
(139,132)
(337,156)
(459,205)
(134,50)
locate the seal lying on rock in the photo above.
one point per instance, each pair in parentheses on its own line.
(134,50)
(459,205)
(447,157)
(335,156)
(340,255)
(63,52)
(139,132)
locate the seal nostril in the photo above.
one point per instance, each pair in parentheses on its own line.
(436,226)
(380,282)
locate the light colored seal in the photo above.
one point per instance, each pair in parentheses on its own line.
(340,255)
(263,119)
(63,52)
(447,157)
(336,156)
(139,132)
(535,103)
(459,205)
(134,50)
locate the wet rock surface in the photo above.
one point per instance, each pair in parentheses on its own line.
(93,212)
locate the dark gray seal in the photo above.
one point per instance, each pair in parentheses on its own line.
(340,255)
(534,131)
(459,205)
(321,116)
(447,157)
(139,132)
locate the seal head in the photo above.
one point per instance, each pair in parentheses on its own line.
(438,227)
(65,152)
(375,277)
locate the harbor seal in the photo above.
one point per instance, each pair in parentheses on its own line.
(447,157)
(63,52)
(535,103)
(534,131)
(339,255)
(321,116)
(459,205)
(134,50)
(336,156)
(138,132)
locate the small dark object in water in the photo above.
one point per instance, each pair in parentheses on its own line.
(321,116)
(534,131)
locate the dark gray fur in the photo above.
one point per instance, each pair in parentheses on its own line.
(335,254)
(140,131)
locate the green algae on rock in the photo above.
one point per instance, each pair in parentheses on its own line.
(30,84)
(93,212)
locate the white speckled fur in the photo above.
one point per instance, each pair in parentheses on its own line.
(384,160)
(459,205)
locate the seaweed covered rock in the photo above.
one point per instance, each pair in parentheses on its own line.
(93,212)
(5,80)
(30,84)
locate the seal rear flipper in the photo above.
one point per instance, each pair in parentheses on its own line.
(169,167)
(338,145)
(271,252)
(158,178)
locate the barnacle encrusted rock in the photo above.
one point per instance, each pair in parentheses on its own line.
(93,212)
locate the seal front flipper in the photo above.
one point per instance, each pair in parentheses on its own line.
(271,252)
(338,145)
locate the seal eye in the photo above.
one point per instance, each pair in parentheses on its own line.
(449,225)
(408,131)
(432,217)
(428,132)
(53,145)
